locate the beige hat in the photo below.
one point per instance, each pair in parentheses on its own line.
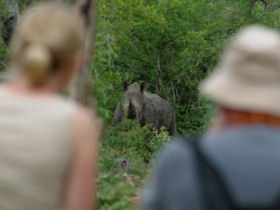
(248,75)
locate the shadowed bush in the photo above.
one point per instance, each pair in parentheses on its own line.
(125,153)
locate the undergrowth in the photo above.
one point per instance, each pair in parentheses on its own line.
(125,156)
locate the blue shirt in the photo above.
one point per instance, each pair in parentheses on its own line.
(249,159)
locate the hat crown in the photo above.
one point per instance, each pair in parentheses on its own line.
(254,55)
(248,76)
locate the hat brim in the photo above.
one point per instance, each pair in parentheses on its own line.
(229,91)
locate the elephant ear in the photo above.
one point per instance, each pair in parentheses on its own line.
(144,87)
(124,85)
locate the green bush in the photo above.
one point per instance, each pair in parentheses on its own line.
(125,154)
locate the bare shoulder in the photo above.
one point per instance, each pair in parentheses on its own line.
(84,117)
(86,128)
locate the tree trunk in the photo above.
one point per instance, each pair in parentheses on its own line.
(81,87)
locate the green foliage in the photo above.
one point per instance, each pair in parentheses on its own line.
(3,48)
(3,55)
(171,44)
(125,153)
(107,90)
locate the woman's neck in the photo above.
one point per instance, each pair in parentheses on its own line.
(26,89)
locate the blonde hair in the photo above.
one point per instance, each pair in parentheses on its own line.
(46,37)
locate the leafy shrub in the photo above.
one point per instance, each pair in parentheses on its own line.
(125,153)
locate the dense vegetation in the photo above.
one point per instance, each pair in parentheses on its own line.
(172,45)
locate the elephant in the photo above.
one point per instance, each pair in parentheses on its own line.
(146,108)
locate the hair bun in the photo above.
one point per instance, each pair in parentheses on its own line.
(36,62)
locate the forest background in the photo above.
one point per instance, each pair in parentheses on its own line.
(170,44)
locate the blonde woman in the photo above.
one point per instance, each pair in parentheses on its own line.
(48,144)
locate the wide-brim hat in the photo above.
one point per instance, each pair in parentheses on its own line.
(248,75)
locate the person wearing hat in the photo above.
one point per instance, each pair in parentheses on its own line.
(235,164)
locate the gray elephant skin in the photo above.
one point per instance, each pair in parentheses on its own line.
(147,108)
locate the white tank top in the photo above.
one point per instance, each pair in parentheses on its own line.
(35,151)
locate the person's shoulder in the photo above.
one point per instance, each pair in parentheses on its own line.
(237,135)
(241,138)
(176,153)
(86,120)
(64,101)
(83,116)
(178,145)
(86,129)
(77,112)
